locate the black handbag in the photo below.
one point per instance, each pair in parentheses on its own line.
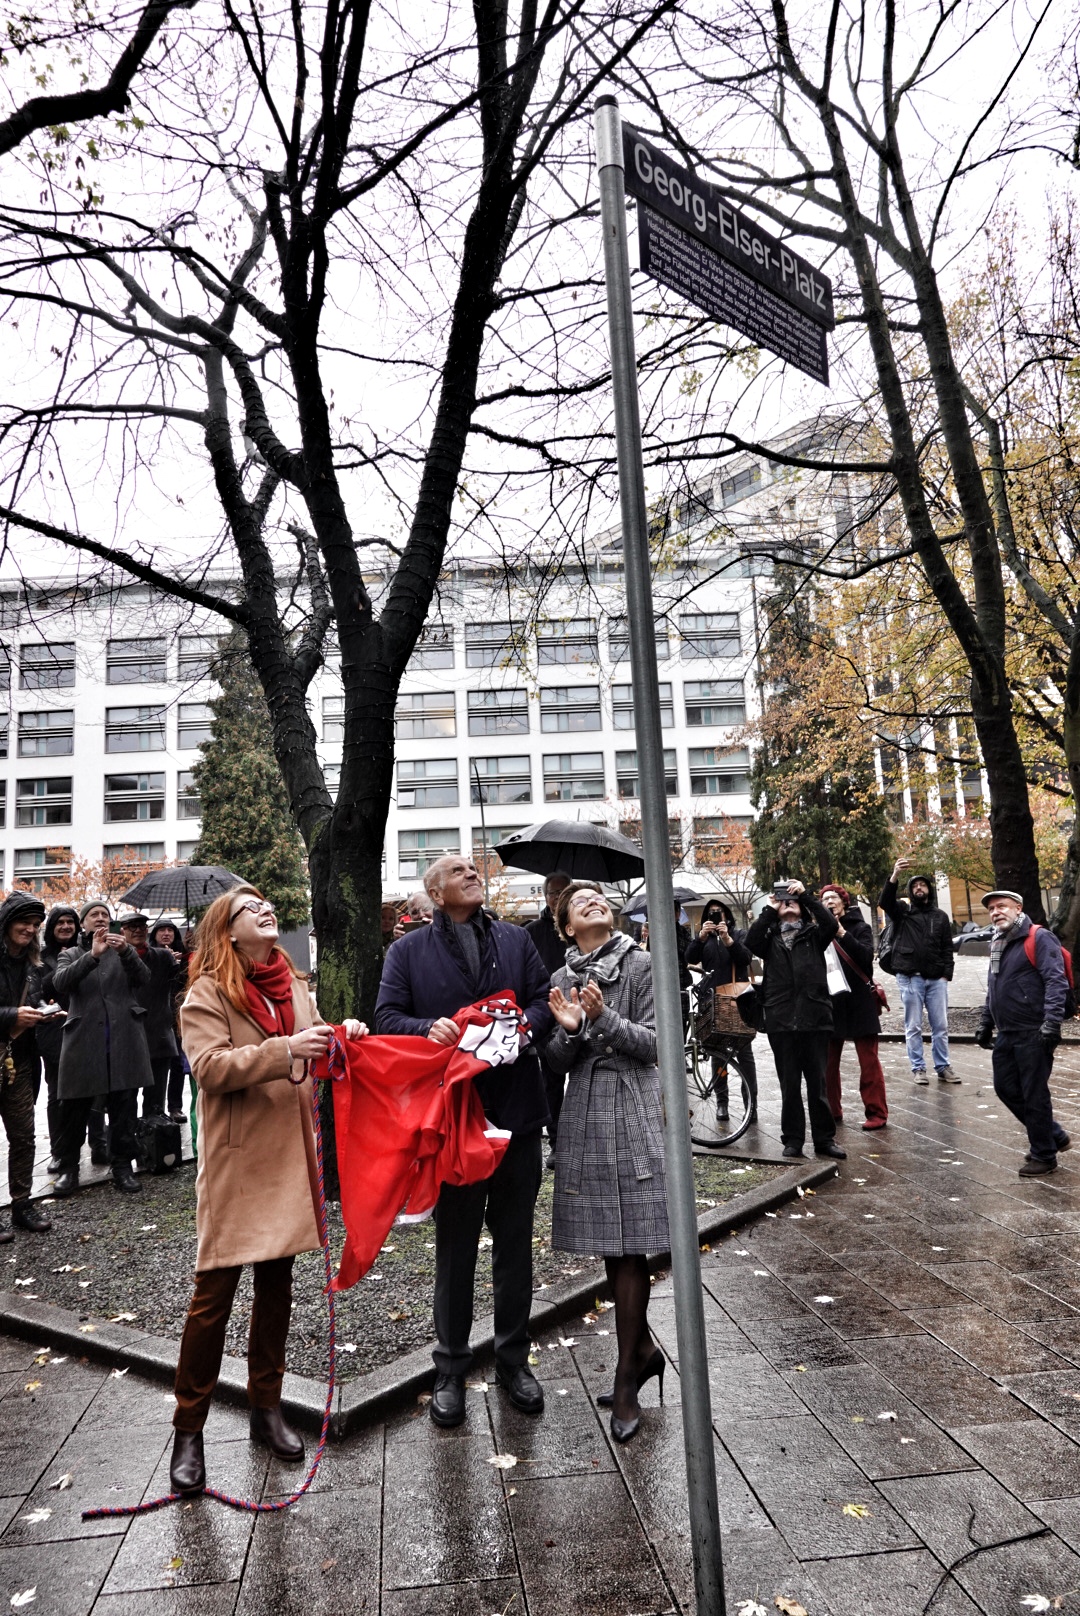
(157,1144)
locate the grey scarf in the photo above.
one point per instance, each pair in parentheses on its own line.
(604,963)
(998,941)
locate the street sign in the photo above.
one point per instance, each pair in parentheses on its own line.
(695,242)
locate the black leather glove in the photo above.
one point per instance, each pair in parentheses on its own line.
(984,1037)
(1050,1033)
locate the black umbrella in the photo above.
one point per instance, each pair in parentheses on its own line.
(638,908)
(585,851)
(183,886)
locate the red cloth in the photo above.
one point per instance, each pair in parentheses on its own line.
(408,1120)
(871,1079)
(273,981)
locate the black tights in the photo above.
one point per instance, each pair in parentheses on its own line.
(629,1281)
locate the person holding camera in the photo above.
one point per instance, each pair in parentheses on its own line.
(20,990)
(720,949)
(1026,990)
(922,961)
(791,935)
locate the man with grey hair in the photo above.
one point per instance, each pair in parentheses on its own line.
(552,950)
(1026,993)
(428,975)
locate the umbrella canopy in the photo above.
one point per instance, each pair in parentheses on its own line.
(586,852)
(638,908)
(184,886)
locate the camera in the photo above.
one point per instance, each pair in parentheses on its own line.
(781,889)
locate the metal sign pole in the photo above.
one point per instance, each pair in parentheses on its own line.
(682,1213)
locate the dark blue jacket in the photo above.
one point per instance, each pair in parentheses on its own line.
(426,975)
(1020,997)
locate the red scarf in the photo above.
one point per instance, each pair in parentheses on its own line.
(273,981)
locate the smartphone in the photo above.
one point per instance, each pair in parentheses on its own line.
(52,1009)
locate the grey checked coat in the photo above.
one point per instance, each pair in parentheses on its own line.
(610,1194)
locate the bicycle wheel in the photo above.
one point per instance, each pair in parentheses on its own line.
(708,1129)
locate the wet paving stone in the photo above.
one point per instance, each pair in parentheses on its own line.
(109,1468)
(853,1309)
(1004,1294)
(566,1440)
(806,1342)
(901,1281)
(987,1342)
(851,1404)
(319,1559)
(748,1388)
(570,1570)
(214,1599)
(65,1584)
(33,1433)
(759,1567)
(941,1384)
(445,1517)
(456,1599)
(749,1295)
(998,1579)
(1030,1457)
(1062,1336)
(955,1513)
(900,1584)
(1056,1396)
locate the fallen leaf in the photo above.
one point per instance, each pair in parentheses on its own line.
(476,1385)
(534,1359)
(27,1597)
(31,1386)
(328,1565)
(503,1461)
(801,1193)
(761,1273)
(742,1253)
(175,1563)
(26,1282)
(62,1484)
(34,1516)
(148,1228)
(123,1318)
(381,1248)
(770,1214)
(750,1607)
(567,1341)
(84,1284)
(824,1299)
(397,1314)
(801,1369)
(706,1247)
(887,1414)
(347,1346)
(858,1419)
(603,1332)
(86,1329)
(118,1374)
(790,1607)
(859,1511)
(1032,1601)
(424,1398)
(906,1441)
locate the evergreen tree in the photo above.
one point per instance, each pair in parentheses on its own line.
(246,822)
(820,814)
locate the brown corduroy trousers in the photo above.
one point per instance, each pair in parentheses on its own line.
(203,1341)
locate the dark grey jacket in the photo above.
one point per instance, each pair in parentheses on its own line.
(157,999)
(104,1047)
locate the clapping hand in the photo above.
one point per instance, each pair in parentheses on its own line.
(567,1011)
(592,1000)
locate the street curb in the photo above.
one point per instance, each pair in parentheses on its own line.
(374,1395)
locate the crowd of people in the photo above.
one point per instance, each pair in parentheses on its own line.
(98,1007)
(96,1010)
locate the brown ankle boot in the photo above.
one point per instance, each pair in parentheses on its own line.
(267,1425)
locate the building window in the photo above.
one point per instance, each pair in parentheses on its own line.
(743,483)
(573,776)
(43,802)
(570,642)
(631,828)
(188,801)
(135,729)
(134,797)
(434,648)
(619,640)
(197,655)
(333,719)
(135,853)
(418,849)
(502,779)
(622,701)
(490,645)
(4,738)
(46,734)
(425,717)
(715,772)
(3,808)
(709,634)
(5,668)
(332,778)
(193,725)
(498,712)
(719,702)
(46,667)
(34,866)
(626,773)
(431,783)
(185,851)
(495,835)
(713,836)
(570,709)
(135,662)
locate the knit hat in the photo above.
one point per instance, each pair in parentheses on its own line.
(20,906)
(841,892)
(95,903)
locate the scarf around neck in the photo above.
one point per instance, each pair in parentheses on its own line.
(998,941)
(604,963)
(273,981)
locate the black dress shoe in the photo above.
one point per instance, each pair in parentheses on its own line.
(267,1425)
(67,1183)
(792,1151)
(830,1148)
(187,1470)
(54,1165)
(25,1215)
(125,1179)
(522,1388)
(447,1406)
(6,1236)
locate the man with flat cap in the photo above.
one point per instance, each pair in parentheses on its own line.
(1026,993)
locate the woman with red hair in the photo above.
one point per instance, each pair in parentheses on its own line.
(856,1014)
(249,1024)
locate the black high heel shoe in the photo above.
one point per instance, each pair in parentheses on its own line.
(655,1366)
(623,1430)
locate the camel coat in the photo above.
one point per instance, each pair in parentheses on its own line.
(257,1185)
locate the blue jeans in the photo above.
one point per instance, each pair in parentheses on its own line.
(915,992)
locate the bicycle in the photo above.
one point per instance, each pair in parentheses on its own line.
(708,1129)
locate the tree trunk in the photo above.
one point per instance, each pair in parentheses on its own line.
(1012,830)
(1067,914)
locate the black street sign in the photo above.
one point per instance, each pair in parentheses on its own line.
(741,273)
(690,268)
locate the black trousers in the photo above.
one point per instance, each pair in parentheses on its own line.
(800,1057)
(153,1096)
(744,1065)
(505,1202)
(75,1114)
(554,1089)
(175,1093)
(17,1117)
(1022,1070)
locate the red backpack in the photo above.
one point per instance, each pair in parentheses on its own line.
(1029,951)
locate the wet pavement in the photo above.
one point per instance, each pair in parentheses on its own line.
(895,1374)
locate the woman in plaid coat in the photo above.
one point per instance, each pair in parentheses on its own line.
(610,1196)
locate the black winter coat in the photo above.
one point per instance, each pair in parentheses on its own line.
(1022,996)
(104,1044)
(795,990)
(157,999)
(549,945)
(16,973)
(717,959)
(50,1034)
(855,1014)
(922,938)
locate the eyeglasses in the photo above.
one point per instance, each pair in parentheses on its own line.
(253,906)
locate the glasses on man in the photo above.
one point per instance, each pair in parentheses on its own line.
(253,906)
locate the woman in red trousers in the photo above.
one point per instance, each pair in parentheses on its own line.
(856,1014)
